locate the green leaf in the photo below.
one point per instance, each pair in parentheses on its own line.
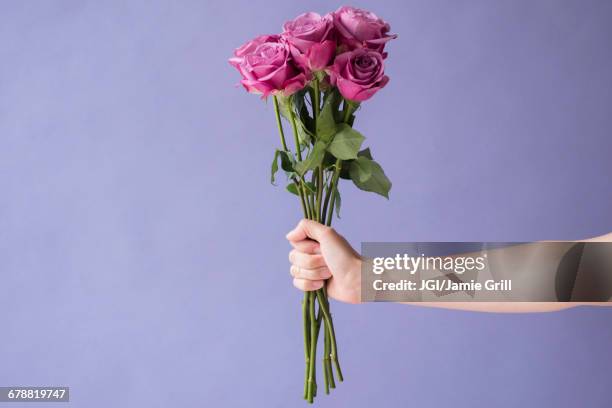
(304,134)
(338,203)
(328,160)
(354,107)
(297,104)
(346,164)
(365,153)
(377,182)
(310,187)
(298,99)
(346,143)
(345,170)
(284,104)
(287,163)
(361,169)
(326,124)
(292,188)
(314,159)
(274,168)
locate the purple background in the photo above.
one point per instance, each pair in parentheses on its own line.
(142,255)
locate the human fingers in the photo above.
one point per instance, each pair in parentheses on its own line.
(304,260)
(310,274)
(309,229)
(307,246)
(307,285)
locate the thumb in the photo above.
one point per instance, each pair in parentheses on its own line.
(309,229)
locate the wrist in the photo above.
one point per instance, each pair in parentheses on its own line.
(354,283)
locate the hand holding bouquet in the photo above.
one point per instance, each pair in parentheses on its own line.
(318,71)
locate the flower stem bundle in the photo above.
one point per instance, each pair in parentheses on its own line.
(318,71)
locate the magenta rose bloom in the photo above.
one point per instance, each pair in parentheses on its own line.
(359,28)
(358,74)
(310,38)
(267,67)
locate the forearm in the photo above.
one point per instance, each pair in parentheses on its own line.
(517,307)
(601,238)
(508,307)
(321,254)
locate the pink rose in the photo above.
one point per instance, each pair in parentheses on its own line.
(360,28)
(358,74)
(267,68)
(311,41)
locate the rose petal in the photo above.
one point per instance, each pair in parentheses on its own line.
(320,55)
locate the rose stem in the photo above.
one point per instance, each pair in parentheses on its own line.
(329,379)
(326,202)
(334,190)
(326,351)
(316,106)
(306,211)
(327,360)
(330,326)
(279,124)
(299,185)
(321,293)
(348,108)
(313,338)
(319,183)
(319,192)
(313,384)
(329,373)
(319,320)
(332,383)
(313,349)
(306,320)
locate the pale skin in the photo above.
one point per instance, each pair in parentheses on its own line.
(319,253)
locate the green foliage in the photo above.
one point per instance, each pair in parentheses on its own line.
(337,203)
(332,139)
(319,75)
(326,122)
(285,103)
(346,164)
(313,160)
(292,188)
(345,171)
(296,105)
(305,122)
(328,160)
(361,169)
(287,163)
(310,187)
(346,142)
(304,134)
(365,153)
(369,176)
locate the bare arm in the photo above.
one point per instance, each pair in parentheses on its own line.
(320,253)
(509,307)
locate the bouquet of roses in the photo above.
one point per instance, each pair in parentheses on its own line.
(318,72)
